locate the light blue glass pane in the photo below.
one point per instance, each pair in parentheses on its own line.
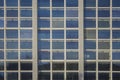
(72,45)
(44,44)
(44,34)
(103,13)
(58,55)
(26,44)
(71,13)
(116,55)
(26,23)
(44,12)
(44,55)
(1,44)
(72,34)
(72,55)
(1,54)
(1,12)
(116,45)
(58,45)
(72,23)
(12,44)
(115,23)
(89,13)
(103,34)
(25,33)
(58,3)
(115,34)
(12,55)
(26,13)
(72,3)
(12,13)
(88,44)
(58,13)
(25,55)
(12,2)
(89,23)
(43,23)
(1,34)
(12,33)
(103,3)
(12,23)
(115,3)
(58,34)
(26,3)
(2,3)
(43,3)
(1,23)
(90,55)
(89,3)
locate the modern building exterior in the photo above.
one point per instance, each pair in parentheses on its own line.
(59,39)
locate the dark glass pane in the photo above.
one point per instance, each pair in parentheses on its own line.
(103,55)
(1,12)
(26,76)
(44,55)
(72,3)
(12,55)
(116,66)
(44,76)
(43,12)
(43,44)
(26,44)
(25,2)
(115,34)
(26,23)
(1,76)
(89,44)
(1,55)
(57,12)
(58,3)
(1,67)
(72,76)
(26,34)
(90,55)
(103,76)
(72,34)
(72,45)
(72,55)
(89,75)
(1,4)
(12,33)
(116,44)
(103,34)
(43,3)
(103,66)
(44,65)
(71,23)
(72,12)
(115,13)
(115,3)
(12,22)
(58,34)
(89,3)
(103,13)
(12,2)
(58,45)
(103,3)
(1,23)
(72,66)
(12,44)
(58,55)
(89,66)
(26,13)
(44,34)
(103,23)
(12,66)
(1,44)
(26,55)
(116,23)
(89,23)
(12,76)
(89,13)
(116,55)
(1,34)
(43,23)
(57,66)
(26,66)
(116,76)
(58,76)
(12,13)
(104,45)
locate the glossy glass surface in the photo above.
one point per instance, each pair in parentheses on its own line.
(89,75)
(58,76)
(103,34)
(72,3)
(90,55)
(1,12)
(26,3)
(116,23)
(90,66)
(12,23)
(90,3)
(103,76)
(43,55)
(26,55)
(89,23)
(72,12)
(58,23)
(26,34)
(115,13)
(103,66)
(1,23)
(2,3)
(12,13)
(26,76)
(12,2)
(89,12)
(26,23)
(71,66)
(1,44)
(26,65)
(44,75)
(12,44)
(43,12)
(116,76)
(24,44)
(103,13)
(43,23)
(72,76)
(57,45)
(57,66)
(90,34)
(89,44)
(1,34)
(44,65)
(103,3)
(58,12)
(1,67)
(43,3)
(12,65)
(72,55)
(44,34)
(12,76)
(72,34)
(58,55)
(115,34)
(43,44)
(116,66)
(115,55)
(115,3)
(12,55)
(104,23)
(2,75)
(26,12)
(104,45)
(116,44)
(12,33)
(72,23)
(57,3)
(71,45)
(58,34)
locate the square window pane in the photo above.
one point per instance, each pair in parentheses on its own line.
(43,44)
(58,76)
(26,12)
(71,12)
(26,65)
(90,55)
(58,3)
(26,34)
(72,55)
(103,66)
(44,34)
(26,22)
(43,3)
(57,66)
(26,55)
(12,2)
(115,3)
(44,75)
(44,12)
(71,45)
(115,13)
(12,65)
(72,76)
(12,22)
(12,54)
(72,3)
(90,66)
(58,45)
(103,3)
(25,44)
(89,3)
(12,33)
(72,34)
(58,34)
(72,23)
(26,76)
(44,55)
(90,34)
(72,66)
(1,3)
(12,13)
(43,23)
(56,12)
(26,3)
(44,65)
(58,55)
(12,44)
(1,12)
(58,23)
(12,75)
(104,34)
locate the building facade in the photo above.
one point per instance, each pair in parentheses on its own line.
(59,40)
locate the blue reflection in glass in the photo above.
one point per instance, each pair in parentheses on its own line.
(24,44)
(72,23)
(12,13)
(71,13)
(115,3)
(25,55)
(12,44)
(115,34)
(26,3)
(115,23)
(57,45)
(1,23)
(44,34)
(72,55)
(1,44)
(26,13)
(116,55)
(72,3)
(58,34)
(57,13)
(1,12)
(103,13)
(25,33)
(43,44)
(12,23)
(12,55)
(89,23)
(71,45)
(116,13)
(44,55)
(43,23)
(89,44)
(90,55)
(103,3)
(89,3)
(58,55)
(116,45)
(1,2)
(1,34)
(43,3)
(89,13)
(12,33)
(72,34)
(12,2)
(44,12)
(2,75)
(26,23)
(104,34)
(1,54)
(58,3)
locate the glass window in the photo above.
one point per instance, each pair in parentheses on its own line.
(26,75)
(89,75)
(103,76)
(90,34)
(1,55)
(12,65)
(116,66)
(115,34)
(1,23)
(44,34)
(12,44)
(25,44)
(72,55)
(56,12)
(115,13)
(58,23)
(116,23)
(44,75)
(1,3)
(89,44)
(90,23)
(104,45)
(115,3)
(72,76)
(116,76)
(12,33)
(90,55)
(12,22)
(58,34)
(12,2)
(103,3)
(71,12)
(43,3)
(72,34)
(72,3)
(26,12)
(12,13)
(103,23)
(26,65)
(103,13)
(43,12)
(90,66)
(103,55)
(103,66)
(57,45)
(58,55)
(44,55)
(12,55)
(70,23)
(1,12)
(25,2)
(44,65)
(58,3)
(25,33)
(1,67)
(116,44)
(72,66)
(58,76)
(26,23)
(103,34)
(116,55)
(43,44)
(26,55)
(89,12)
(43,23)
(72,45)
(90,3)
(1,34)
(1,44)
(57,66)
(12,76)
